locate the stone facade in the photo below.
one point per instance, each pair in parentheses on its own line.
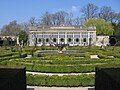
(13,40)
(102,41)
(73,36)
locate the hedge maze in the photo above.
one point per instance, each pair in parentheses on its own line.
(60,63)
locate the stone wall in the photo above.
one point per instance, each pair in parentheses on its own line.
(102,40)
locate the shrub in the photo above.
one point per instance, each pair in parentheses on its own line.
(5,55)
(61,81)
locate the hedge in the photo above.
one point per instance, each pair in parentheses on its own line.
(51,68)
(6,55)
(14,56)
(61,81)
(64,62)
(58,68)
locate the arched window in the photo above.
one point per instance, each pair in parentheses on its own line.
(84,40)
(69,39)
(113,41)
(39,40)
(47,40)
(77,40)
(62,39)
(54,40)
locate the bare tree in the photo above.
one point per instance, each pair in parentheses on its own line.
(106,13)
(59,18)
(32,21)
(69,20)
(56,19)
(78,21)
(11,29)
(24,26)
(89,11)
(115,17)
(46,19)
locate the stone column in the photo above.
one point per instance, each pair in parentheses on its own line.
(88,38)
(94,37)
(58,38)
(17,40)
(65,37)
(73,39)
(80,39)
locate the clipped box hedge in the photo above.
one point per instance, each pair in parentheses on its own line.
(60,81)
(59,67)
(52,68)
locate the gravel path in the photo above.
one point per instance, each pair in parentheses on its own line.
(59,88)
(59,74)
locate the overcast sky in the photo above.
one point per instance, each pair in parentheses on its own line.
(22,10)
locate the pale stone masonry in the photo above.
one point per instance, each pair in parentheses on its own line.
(102,41)
(13,40)
(71,35)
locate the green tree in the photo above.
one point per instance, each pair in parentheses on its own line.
(116,28)
(23,37)
(5,43)
(102,27)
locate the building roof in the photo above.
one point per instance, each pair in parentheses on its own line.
(81,27)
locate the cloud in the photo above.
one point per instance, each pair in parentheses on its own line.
(74,9)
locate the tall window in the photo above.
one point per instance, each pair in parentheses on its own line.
(39,40)
(47,40)
(54,40)
(69,39)
(84,40)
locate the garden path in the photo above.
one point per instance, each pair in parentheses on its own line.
(59,74)
(59,88)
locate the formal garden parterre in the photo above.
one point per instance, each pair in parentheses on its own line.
(60,63)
